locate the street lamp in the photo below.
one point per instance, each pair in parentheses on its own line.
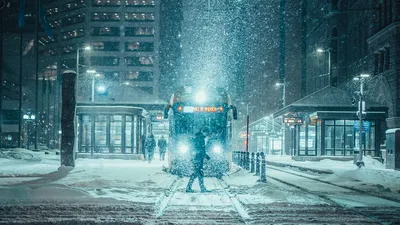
(283,85)
(93,76)
(320,50)
(29,118)
(361,114)
(247,124)
(86,48)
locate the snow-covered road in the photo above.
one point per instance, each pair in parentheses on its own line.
(35,190)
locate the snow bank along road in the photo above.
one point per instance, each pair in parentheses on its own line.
(231,201)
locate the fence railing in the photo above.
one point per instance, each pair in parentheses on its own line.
(254,162)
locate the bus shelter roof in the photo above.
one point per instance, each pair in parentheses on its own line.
(328,99)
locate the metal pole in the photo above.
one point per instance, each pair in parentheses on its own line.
(20,90)
(77,62)
(284,93)
(247,132)
(329,67)
(92,87)
(360,160)
(29,135)
(37,118)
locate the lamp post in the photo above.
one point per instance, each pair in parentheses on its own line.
(320,50)
(29,118)
(87,48)
(93,72)
(247,124)
(361,113)
(283,85)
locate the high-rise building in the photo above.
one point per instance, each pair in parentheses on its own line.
(123,36)
(124,41)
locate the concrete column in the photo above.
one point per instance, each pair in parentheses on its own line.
(68,118)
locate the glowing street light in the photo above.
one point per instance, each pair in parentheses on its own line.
(361,113)
(29,118)
(86,48)
(320,50)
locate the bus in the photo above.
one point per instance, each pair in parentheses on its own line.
(190,110)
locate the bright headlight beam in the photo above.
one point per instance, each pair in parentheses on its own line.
(183,148)
(201,97)
(217,149)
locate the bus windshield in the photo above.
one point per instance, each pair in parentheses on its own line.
(190,123)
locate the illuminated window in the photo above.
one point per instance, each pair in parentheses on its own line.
(105,16)
(107,3)
(80,18)
(139,46)
(72,5)
(139,3)
(139,31)
(139,76)
(139,61)
(139,17)
(105,46)
(105,31)
(72,34)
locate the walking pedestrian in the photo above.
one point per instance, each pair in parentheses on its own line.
(162,145)
(198,159)
(144,146)
(150,145)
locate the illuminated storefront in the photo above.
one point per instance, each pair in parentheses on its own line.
(325,124)
(321,124)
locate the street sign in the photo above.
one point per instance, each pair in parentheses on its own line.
(366,126)
(293,120)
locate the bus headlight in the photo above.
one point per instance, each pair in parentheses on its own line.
(183,149)
(217,149)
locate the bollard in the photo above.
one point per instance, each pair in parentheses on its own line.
(241,159)
(252,163)
(258,164)
(263,177)
(247,160)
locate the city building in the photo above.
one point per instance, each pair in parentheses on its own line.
(112,44)
(339,40)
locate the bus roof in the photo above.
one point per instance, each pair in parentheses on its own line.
(212,95)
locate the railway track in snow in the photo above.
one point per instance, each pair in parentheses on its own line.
(216,207)
(368,207)
(333,184)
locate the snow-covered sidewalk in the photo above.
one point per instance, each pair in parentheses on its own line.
(35,175)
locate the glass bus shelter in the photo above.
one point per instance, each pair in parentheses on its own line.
(110,128)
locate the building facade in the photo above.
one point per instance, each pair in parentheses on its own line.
(123,37)
(339,41)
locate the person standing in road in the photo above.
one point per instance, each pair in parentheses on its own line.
(198,159)
(150,145)
(162,145)
(144,146)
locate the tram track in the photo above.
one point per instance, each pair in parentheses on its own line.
(202,210)
(386,216)
(336,185)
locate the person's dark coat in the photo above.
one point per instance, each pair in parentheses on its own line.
(162,144)
(150,144)
(199,147)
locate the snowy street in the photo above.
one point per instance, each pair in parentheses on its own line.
(34,189)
